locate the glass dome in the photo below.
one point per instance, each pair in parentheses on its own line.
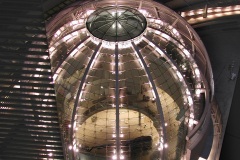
(116,23)
(125,93)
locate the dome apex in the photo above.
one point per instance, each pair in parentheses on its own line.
(116,23)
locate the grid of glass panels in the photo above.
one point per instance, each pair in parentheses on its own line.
(165,68)
(171,97)
(116,23)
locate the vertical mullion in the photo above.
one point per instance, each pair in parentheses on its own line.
(80,88)
(158,102)
(117,103)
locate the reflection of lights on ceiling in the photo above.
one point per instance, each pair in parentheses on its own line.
(4,107)
(16,86)
(211,13)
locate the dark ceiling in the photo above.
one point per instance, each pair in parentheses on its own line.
(177,5)
(183,5)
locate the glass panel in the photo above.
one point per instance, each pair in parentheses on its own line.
(169,89)
(116,23)
(139,122)
(96,114)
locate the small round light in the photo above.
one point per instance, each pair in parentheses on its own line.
(165,145)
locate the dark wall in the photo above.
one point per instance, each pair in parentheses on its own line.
(222,40)
(29,127)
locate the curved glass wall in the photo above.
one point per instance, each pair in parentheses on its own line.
(128,95)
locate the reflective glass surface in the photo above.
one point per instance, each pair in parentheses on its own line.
(116,23)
